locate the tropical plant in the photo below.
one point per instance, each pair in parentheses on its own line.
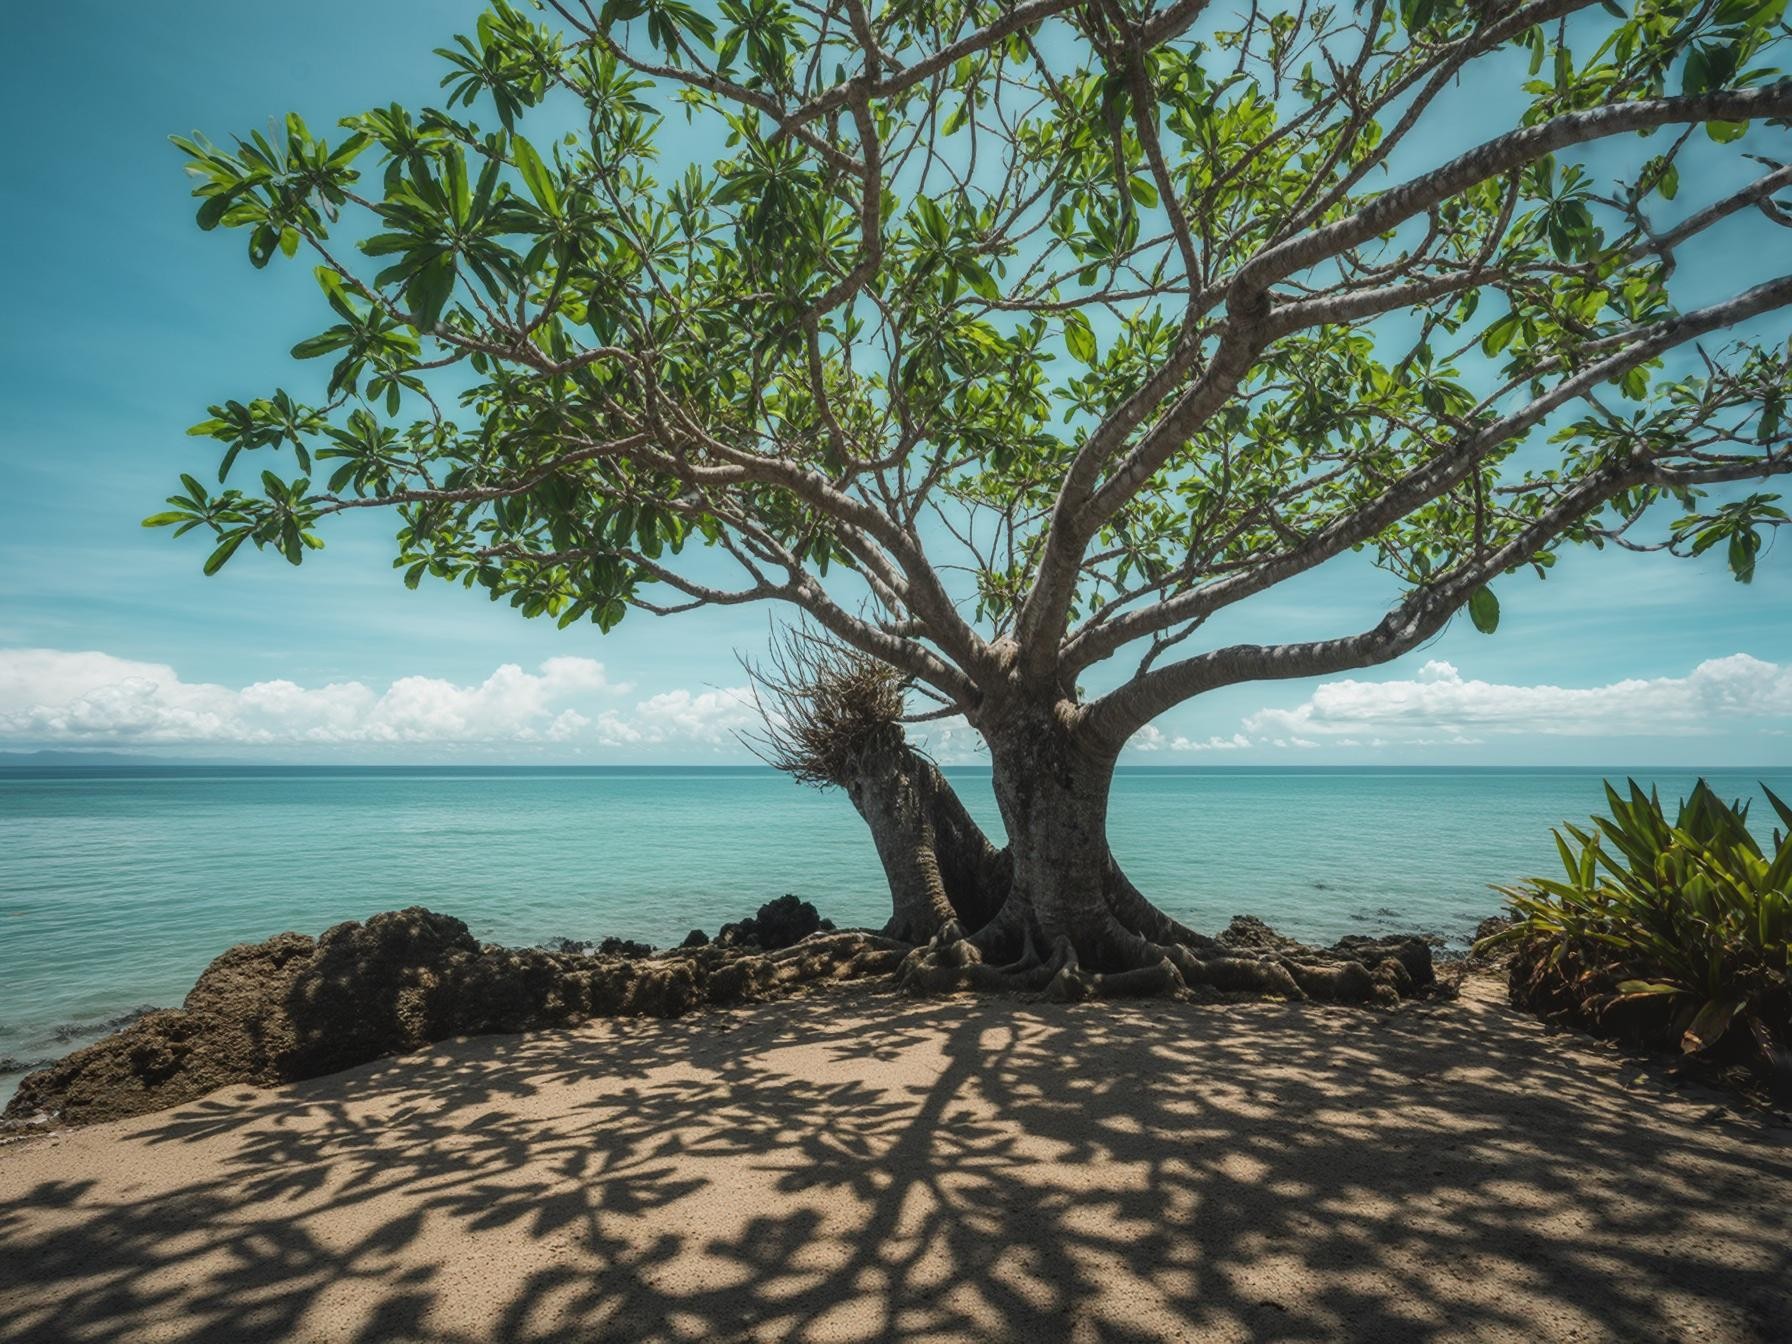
(1674,932)
(1011,344)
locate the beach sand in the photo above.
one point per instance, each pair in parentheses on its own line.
(856,1166)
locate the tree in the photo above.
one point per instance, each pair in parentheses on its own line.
(1007,344)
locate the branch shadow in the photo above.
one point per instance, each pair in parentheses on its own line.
(854,1166)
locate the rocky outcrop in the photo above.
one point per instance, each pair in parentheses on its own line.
(296,1007)
(782,923)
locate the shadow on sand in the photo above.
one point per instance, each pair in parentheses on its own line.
(855,1166)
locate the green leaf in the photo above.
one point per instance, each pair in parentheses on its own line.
(1417,13)
(933,220)
(226,548)
(334,339)
(535,174)
(213,210)
(982,283)
(1744,542)
(1484,610)
(165,519)
(1499,335)
(429,290)
(1079,337)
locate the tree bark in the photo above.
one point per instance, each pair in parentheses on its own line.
(941,867)
(1070,924)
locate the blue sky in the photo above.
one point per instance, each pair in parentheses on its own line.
(123,321)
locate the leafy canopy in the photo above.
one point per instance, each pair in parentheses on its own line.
(1055,327)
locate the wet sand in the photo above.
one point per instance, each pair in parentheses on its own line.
(855,1166)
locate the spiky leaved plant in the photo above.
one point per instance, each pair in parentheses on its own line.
(1664,932)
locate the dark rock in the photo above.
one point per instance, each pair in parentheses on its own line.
(778,924)
(609,947)
(66,1032)
(1491,925)
(1247,932)
(695,938)
(624,947)
(295,1007)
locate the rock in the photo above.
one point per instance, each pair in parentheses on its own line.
(695,938)
(1247,932)
(778,924)
(1491,925)
(609,947)
(66,1032)
(295,1007)
(624,947)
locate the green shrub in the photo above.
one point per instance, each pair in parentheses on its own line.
(1664,934)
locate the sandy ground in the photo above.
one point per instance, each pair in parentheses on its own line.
(858,1167)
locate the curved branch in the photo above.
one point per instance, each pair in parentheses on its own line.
(1424,483)
(1082,507)
(1421,614)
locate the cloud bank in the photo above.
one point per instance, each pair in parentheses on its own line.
(57,697)
(52,697)
(1439,706)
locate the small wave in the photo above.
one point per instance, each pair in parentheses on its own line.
(65,1032)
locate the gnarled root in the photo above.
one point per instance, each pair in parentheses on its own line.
(848,955)
(1137,951)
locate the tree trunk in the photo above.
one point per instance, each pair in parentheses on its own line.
(941,867)
(1071,924)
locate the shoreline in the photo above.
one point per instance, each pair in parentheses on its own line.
(294,1007)
(849,1164)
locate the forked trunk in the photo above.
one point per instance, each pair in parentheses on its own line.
(1070,923)
(1052,912)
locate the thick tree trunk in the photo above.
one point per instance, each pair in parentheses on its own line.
(1052,912)
(1071,924)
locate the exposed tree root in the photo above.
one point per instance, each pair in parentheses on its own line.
(1119,961)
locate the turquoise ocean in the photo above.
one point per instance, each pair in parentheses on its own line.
(118,885)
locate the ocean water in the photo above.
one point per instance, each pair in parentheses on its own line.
(118,885)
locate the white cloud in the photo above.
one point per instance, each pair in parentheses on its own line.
(51,697)
(1440,705)
(680,716)
(92,698)
(950,741)
(1153,738)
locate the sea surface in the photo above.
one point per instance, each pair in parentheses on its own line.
(119,884)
